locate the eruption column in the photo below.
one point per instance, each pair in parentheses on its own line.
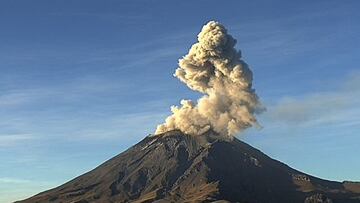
(214,67)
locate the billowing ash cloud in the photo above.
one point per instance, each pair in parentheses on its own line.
(214,68)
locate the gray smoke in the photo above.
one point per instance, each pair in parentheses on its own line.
(214,67)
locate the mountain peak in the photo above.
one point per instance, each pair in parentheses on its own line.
(175,167)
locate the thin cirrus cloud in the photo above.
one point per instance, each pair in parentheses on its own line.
(336,107)
(16,188)
(9,140)
(13,180)
(53,112)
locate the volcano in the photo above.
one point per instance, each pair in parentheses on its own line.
(175,167)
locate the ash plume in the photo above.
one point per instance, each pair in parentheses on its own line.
(214,67)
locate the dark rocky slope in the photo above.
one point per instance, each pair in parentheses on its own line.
(181,168)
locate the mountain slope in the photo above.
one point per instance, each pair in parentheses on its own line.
(182,168)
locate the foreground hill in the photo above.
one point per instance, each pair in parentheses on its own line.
(180,168)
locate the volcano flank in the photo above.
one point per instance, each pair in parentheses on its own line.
(175,167)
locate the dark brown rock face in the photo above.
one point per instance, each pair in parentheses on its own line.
(180,168)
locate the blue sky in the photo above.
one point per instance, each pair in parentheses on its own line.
(81,81)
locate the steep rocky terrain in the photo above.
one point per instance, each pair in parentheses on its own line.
(180,168)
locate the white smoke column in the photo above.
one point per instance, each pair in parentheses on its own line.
(214,68)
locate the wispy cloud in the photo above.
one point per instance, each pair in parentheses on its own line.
(108,16)
(8,140)
(335,107)
(13,189)
(120,127)
(8,180)
(17,97)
